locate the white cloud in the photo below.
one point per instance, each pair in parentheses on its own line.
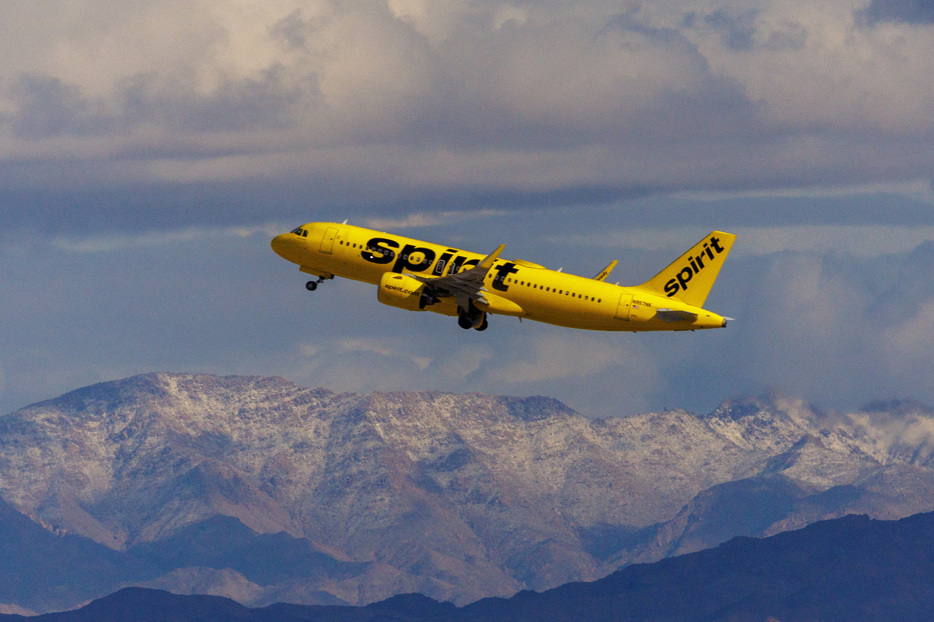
(389,99)
(908,346)
(422,219)
(155,141)
(860,241)
(856,240)
(557,357)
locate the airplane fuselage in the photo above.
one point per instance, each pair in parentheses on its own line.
(511,287)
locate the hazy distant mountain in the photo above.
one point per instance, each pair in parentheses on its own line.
(264,491)
(846,569)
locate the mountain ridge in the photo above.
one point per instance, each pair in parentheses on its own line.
(456,496)
(850,568)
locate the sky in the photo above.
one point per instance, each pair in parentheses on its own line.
(150,150)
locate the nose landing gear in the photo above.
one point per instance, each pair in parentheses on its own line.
(313,285)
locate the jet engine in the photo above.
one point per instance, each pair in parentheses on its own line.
(399,290)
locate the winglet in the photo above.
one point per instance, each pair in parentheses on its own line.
(606,271)
(487,262)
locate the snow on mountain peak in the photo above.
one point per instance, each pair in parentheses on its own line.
(428,485)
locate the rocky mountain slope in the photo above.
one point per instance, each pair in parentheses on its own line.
(353,498)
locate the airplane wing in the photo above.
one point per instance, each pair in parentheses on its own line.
(464,286)
(672,315)
(606,271)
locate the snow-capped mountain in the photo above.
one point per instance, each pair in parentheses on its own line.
(354,498)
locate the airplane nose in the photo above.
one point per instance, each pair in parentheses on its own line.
(279,245)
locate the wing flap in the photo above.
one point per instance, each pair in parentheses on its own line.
(466,285)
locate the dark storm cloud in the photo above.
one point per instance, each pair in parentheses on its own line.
(141,207)
(899,11)
(46,107)
(737,31)
(390,108)
(465,112)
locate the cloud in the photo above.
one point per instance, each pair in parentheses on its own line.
(830,326)
(382,105)
(148,150)
(899,11)
(737,32)
(909,344)
(422,219)
(104,243)
(564,356)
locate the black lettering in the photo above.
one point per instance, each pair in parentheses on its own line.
(456,265)
(502,272)
(684,276)
(374,253)
(695,265)
(404,260)
(439,267)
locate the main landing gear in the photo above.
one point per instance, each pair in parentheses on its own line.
(472,318)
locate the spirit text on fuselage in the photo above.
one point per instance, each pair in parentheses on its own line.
(411,258)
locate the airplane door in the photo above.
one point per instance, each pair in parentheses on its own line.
(624,306)
(327,242)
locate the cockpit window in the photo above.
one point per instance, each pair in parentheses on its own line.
(300,231)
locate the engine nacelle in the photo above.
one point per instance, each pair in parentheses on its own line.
(398,290)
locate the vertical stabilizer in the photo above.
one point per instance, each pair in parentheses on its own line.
(690,277)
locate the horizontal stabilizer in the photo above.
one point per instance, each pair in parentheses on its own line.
(673,315)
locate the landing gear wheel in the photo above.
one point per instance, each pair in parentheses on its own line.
(483,325)
(464,322)
(311,286)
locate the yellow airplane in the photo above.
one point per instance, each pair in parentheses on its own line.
(420,276)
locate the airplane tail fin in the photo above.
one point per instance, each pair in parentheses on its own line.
(690,277)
